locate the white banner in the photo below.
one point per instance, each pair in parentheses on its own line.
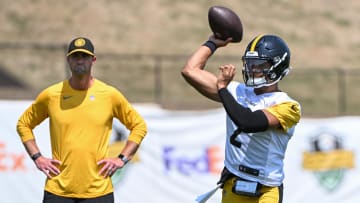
(182,156)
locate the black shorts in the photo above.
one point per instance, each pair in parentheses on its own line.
(52,198)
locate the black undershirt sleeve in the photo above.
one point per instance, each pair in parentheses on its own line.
(244,118)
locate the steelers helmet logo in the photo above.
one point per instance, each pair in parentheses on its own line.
(79,42)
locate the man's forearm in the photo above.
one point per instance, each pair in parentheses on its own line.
(31,147)
(130,149)
(202,80)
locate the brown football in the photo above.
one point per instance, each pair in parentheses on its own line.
(225,23)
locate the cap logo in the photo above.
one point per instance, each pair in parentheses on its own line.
(79,42)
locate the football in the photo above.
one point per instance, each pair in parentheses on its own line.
(225,23)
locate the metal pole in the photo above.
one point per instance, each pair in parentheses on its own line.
(67,71)
(157,78)
(342,91)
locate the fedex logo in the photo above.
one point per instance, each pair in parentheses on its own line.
(201,161)
(11,161)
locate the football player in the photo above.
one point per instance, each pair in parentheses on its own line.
(260,117)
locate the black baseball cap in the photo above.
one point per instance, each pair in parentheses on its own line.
(81,44)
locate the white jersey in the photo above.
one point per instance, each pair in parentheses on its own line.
(260,156)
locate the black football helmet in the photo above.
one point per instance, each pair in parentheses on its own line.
(266,61)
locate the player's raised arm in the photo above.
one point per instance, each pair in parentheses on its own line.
(194,70)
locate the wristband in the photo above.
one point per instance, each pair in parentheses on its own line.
(35,156)
(123,158)
(211,45)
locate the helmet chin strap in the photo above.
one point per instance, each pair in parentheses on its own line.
(260,82)
(254,82)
